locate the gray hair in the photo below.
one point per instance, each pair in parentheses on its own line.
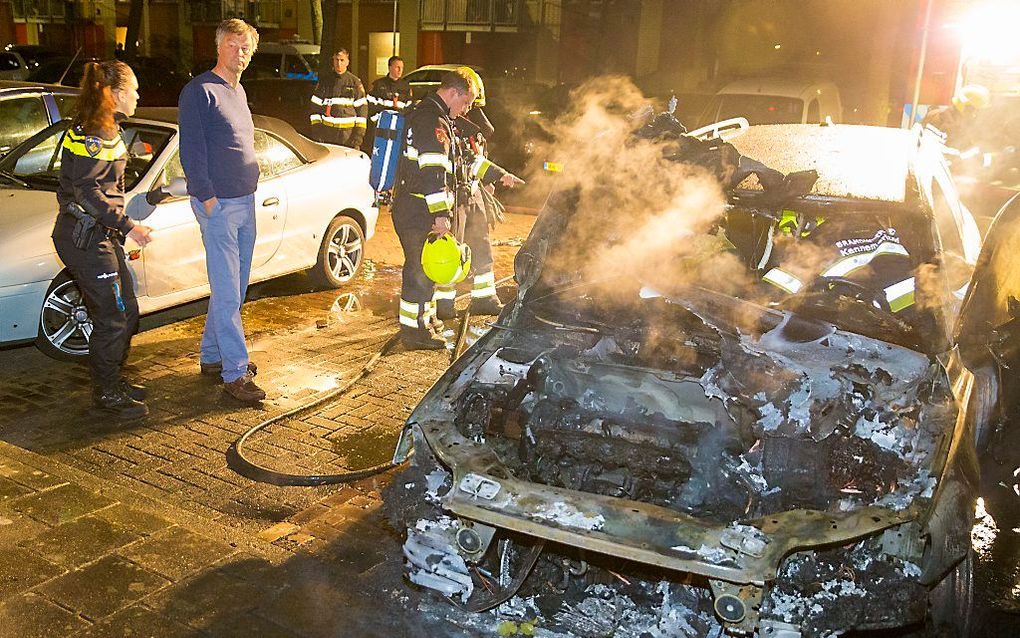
(236,26)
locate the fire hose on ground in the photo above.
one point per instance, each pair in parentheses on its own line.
(245,466)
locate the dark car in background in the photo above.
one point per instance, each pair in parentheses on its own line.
(285,99)
(159,81)
(27,108)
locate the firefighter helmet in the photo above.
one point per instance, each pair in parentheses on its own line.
(972,95)
(480,100)
(444,260)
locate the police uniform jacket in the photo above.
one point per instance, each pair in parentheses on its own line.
(388,93)
(339,109)
(92,175)
(426,169)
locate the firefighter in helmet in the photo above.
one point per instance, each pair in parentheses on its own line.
(477,208)
(425,198)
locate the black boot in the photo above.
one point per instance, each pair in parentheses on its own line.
(136,392)
(420,339)
(445,309)
(115,402)
(486,306)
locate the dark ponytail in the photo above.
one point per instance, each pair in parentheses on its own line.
(96,105)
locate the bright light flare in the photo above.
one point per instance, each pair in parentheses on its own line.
(988,33)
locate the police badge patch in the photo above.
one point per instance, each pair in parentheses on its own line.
(93,145)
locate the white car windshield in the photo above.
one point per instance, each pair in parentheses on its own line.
(38,164)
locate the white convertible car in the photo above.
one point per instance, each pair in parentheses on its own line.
(314,210)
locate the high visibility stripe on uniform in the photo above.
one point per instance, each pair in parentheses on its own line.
(337,122)
(485,285)
(439,202)
(847,265)
(444,292)
(338,101)
(784,280)
(108,150)
(426,160)
(900,295)
(408,314)
(767,253)
(480,167)
(411,153)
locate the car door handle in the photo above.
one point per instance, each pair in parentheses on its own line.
(272,201)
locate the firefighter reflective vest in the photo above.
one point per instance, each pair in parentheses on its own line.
(429,155)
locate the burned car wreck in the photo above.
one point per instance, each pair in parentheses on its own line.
(792,460)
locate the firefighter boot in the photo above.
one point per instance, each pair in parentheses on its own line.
(115,402)
(486,306)
(421,339)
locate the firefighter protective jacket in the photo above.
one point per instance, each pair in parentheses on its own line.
(471,140)
(339,110)
(870,253)
(387,93)
(92,175)
(426,169)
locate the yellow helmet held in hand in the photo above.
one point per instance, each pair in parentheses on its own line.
(444,260)
(480,100)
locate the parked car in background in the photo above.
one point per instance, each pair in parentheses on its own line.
(281,98)
(291,60)
(12,66)
(313,205)
(33,54)
(159,80)
(429,77)
(775,101)
(27,108)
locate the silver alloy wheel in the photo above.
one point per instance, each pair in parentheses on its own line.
(345,251)
(65,321)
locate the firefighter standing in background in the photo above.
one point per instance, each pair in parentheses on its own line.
(91,226)
(475,173)
(339,107)
(957,124)
(391,91)
(424,199)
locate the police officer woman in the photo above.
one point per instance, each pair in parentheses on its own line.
(91,226)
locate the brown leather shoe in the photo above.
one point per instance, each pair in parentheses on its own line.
(244,389)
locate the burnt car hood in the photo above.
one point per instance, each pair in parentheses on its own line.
(752,434)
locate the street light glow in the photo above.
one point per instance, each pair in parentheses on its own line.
(988,33)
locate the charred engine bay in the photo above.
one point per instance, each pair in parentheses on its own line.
(671,406)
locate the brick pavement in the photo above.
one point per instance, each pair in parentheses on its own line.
(151,513)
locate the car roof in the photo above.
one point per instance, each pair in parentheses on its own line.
(288,47)
(445,67)
(19,85)
(856,162)
(784,87)
(310,151)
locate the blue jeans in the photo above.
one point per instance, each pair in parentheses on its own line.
(229,237)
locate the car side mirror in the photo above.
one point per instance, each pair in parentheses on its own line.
(178,187)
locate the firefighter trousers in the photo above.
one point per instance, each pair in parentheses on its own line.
(413,221)
(108,288)
(476,235)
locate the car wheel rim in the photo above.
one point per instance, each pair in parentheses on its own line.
(344,252)
(65,320)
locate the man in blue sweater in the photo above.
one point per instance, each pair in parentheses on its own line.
(218,157)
